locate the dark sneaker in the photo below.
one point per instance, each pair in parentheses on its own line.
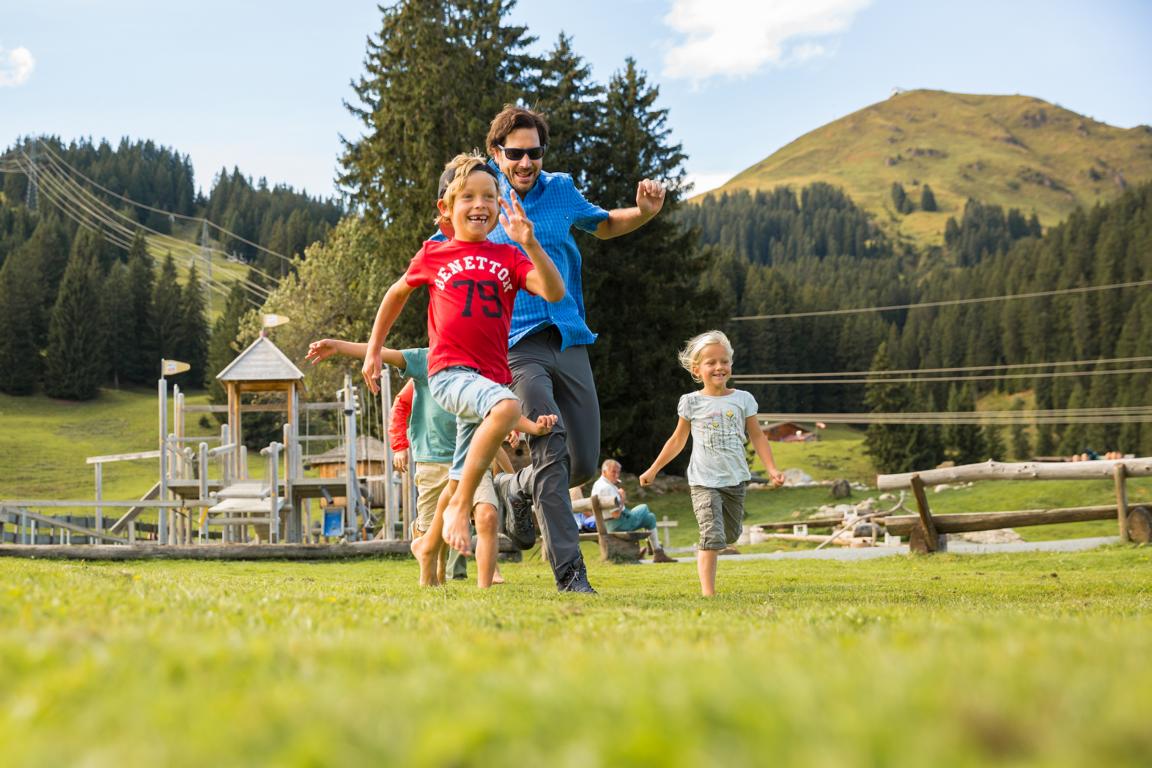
(660,556)
(519,519)
(574,579)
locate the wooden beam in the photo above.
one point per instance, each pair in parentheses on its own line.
(924,539)
(212,551)
(995,470)
(123,457)
(902,525)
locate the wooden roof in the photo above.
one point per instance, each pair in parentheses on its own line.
(367,449)
(261,361)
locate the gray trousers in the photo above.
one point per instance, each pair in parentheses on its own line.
(548,380)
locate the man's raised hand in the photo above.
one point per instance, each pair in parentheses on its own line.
(650,197)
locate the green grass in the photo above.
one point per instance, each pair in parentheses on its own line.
(1013,151)
(45,443)
(944,661)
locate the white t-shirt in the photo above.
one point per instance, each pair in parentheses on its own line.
(604,487)
(718,437)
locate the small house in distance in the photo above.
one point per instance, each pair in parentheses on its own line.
(789,432)
(371,466)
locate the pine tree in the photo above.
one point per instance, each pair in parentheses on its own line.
(167,307)
(21,321)
(900,198)
(965,443)
(642,291)
(222,347)
(143,363)
(193,331)
(437,72)
(895,447)
(75,359)
(571,102)
(1020,447)
(117,323)
(435,75)
(927,199)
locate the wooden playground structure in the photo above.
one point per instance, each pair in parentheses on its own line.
(206,501)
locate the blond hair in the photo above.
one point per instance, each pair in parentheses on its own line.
(456,173)
(690,354)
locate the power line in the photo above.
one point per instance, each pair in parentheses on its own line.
(932,379)
(197,219)
(84,208)
(1116,415)
(997,367)
(948,302)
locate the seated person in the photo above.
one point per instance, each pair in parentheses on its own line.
(625,518)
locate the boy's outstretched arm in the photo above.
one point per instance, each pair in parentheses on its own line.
(325,348)
(386,315)
(545,280)
(763,450)
(670,450)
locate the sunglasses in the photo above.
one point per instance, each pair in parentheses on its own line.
(515,154)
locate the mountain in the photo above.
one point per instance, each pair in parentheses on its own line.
(1013,151)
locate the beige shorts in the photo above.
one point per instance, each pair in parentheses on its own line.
(431,479)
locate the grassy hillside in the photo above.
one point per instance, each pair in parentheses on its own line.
(1013,151)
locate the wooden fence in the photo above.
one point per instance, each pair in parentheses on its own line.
(924,528)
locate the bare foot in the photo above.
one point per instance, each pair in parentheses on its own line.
(425,555)
(544,425)
(456,530)
(496,577)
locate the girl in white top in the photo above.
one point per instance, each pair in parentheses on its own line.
(720,421)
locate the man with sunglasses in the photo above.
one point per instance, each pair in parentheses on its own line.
(548,343)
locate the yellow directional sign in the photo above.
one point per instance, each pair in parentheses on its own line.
(172,367)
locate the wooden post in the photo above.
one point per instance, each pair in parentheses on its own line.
(99,497)
(924,537)
(601,528)
(1119,473)
(162,396)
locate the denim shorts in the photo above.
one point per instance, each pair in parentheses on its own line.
(464,392)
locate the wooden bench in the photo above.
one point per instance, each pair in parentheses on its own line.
(615,546)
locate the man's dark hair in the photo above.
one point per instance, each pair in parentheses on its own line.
(509,119)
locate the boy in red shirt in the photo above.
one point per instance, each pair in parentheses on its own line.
(472,285)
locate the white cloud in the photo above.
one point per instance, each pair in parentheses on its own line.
(739,37)
(16,66)
(708,180)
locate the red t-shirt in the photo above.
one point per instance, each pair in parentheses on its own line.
(471,290)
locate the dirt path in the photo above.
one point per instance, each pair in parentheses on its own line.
(954,547)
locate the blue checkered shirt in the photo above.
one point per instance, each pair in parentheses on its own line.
(554,206)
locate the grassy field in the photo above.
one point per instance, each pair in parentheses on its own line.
(943,661)
(1033,659)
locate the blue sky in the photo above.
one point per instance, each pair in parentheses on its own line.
(260,84)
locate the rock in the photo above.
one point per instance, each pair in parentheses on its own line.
(1001,536)
(795,477)
(841,489)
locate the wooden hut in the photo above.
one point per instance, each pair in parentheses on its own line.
(789,432)
(262,367)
